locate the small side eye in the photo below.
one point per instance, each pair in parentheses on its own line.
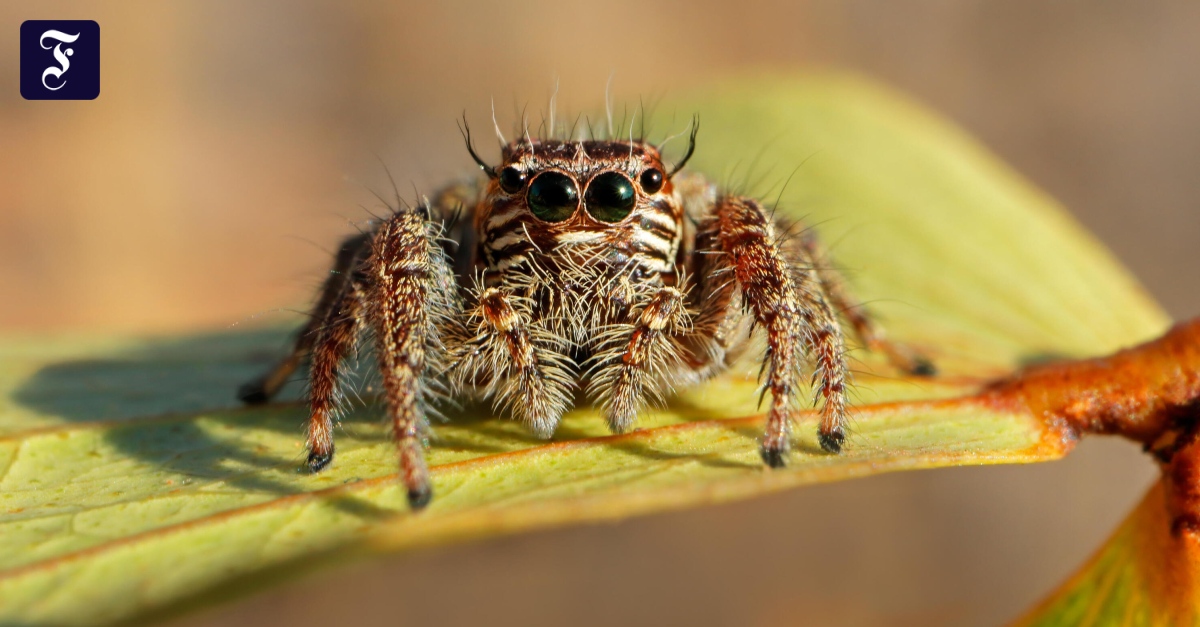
(512,180)
(651,180)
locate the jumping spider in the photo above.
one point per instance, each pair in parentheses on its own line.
(577,264)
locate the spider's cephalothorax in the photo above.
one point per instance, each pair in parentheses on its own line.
(577,266)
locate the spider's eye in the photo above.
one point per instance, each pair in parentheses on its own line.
(553,196)
(512,180)
(651,180)
(610,197)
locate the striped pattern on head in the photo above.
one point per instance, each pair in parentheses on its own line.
(605,204)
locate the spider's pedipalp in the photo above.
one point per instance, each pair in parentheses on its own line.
(635,356)
(520,366)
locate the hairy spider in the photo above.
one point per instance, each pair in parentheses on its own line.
(576,265)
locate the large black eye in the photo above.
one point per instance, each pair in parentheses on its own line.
(610,197)
(553,196)
(651,180)
(512,180)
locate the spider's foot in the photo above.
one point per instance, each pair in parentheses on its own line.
(773,456)
(254,392)
(319,460)
(832,441)
(418,498)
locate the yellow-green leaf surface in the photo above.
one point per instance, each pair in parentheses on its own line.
(131,481)
(1144,575)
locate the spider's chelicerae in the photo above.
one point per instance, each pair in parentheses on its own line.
(577,266)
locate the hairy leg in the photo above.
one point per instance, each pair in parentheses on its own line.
(807,248)
(635,355)
(793,310)
(522,367)
(448,206)
(332,299)
(720,328)
(334,341)
(411,292)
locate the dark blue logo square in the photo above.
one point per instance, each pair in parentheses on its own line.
(60,60)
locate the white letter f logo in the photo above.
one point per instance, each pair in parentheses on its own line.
(57,72)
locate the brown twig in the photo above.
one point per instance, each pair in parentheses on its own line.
(1149,394)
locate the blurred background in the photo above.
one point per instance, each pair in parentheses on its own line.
(234,143)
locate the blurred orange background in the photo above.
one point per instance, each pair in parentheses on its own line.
(234,143)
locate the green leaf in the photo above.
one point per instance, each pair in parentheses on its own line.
(132,482)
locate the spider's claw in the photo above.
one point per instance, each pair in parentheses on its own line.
(420,497)
(254,392)
(832,441)
(772,456)
(318,461)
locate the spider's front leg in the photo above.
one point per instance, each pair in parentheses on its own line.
(793,310)
(410,294)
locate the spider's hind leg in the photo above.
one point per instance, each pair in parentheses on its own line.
(332,299)
(806,251)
